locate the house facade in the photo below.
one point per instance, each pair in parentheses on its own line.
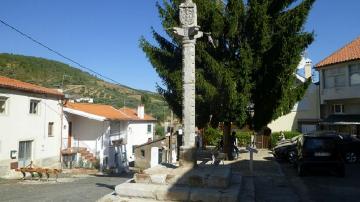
(107,134)
(340,89)
(30,125)
(305,115)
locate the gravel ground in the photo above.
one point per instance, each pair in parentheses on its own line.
(75,188)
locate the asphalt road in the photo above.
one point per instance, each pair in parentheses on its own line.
(80,188)
(325,186)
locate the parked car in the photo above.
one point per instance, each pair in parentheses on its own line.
(321,150)
(286,150)
(350,146)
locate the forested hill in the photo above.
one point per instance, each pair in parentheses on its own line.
(77,83)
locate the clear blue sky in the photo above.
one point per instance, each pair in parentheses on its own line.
(104,35)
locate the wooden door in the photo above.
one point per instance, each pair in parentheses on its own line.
(69,135)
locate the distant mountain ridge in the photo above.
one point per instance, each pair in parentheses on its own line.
(78,83)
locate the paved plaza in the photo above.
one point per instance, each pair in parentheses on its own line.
(77,188)
(271,181)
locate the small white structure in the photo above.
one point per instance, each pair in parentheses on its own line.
(105,133)
(154,159)
(30,125)
(305,115)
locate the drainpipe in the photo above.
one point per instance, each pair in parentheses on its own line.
(61,129)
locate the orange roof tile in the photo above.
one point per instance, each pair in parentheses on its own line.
(9,83)
(133,114)
(108,111)
(349,52)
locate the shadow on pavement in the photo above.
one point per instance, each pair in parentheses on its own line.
(112,187)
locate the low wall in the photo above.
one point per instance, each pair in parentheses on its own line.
(6,172)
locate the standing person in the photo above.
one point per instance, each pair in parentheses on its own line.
(233,144)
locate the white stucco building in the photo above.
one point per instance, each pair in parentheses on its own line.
(305,115)
(30,125)
(108,134)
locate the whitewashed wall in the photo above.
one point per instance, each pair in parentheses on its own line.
(19,125)
(307,108)
(137,135)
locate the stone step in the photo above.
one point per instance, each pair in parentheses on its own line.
(209,177)
(177,193)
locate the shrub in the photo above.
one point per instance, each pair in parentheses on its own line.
(159,130)
(244,138)
(212,136)
(288,134)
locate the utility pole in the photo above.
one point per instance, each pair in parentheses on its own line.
(188,32)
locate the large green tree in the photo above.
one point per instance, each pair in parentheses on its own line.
(249,60)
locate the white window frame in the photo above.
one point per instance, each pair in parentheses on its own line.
(37,107)
(341,107)
(147,128)
(5,106)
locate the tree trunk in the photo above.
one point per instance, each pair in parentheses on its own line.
(227,140)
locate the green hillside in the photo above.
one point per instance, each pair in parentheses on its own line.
(77,83)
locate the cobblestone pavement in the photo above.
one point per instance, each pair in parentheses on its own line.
(268,181)
(76,188)
(274,181)
(325,186)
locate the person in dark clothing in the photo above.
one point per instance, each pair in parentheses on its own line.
(233,144)
(220,145)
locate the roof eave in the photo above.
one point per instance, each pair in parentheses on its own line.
(335,63)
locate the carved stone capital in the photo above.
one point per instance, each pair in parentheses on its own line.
(188,14)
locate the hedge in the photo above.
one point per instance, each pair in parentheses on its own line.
(244,138)
(212,136)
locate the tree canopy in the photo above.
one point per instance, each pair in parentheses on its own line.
(248,61)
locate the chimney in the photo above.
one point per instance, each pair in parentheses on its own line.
(307,68)
(140,111)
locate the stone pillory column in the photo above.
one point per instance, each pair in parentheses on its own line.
(189,32)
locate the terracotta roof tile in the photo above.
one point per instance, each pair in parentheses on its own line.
(9,83)
(133,114)
(349,52)
(108,111)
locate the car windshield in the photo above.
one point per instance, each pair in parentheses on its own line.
(324,144)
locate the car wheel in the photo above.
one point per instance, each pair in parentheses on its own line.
(291,157)
(350,157)
(300,169)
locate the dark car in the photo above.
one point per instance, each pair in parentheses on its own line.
(320,151)
(350,146)
(286,150)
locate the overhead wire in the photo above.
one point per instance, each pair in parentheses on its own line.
(57,52)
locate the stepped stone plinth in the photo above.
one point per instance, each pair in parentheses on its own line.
(206,183)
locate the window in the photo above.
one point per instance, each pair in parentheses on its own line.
(335,77)
(51,129)
(149,128)
(3,101)
(142,153)
(355,74)
(338,108)
(34,107)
